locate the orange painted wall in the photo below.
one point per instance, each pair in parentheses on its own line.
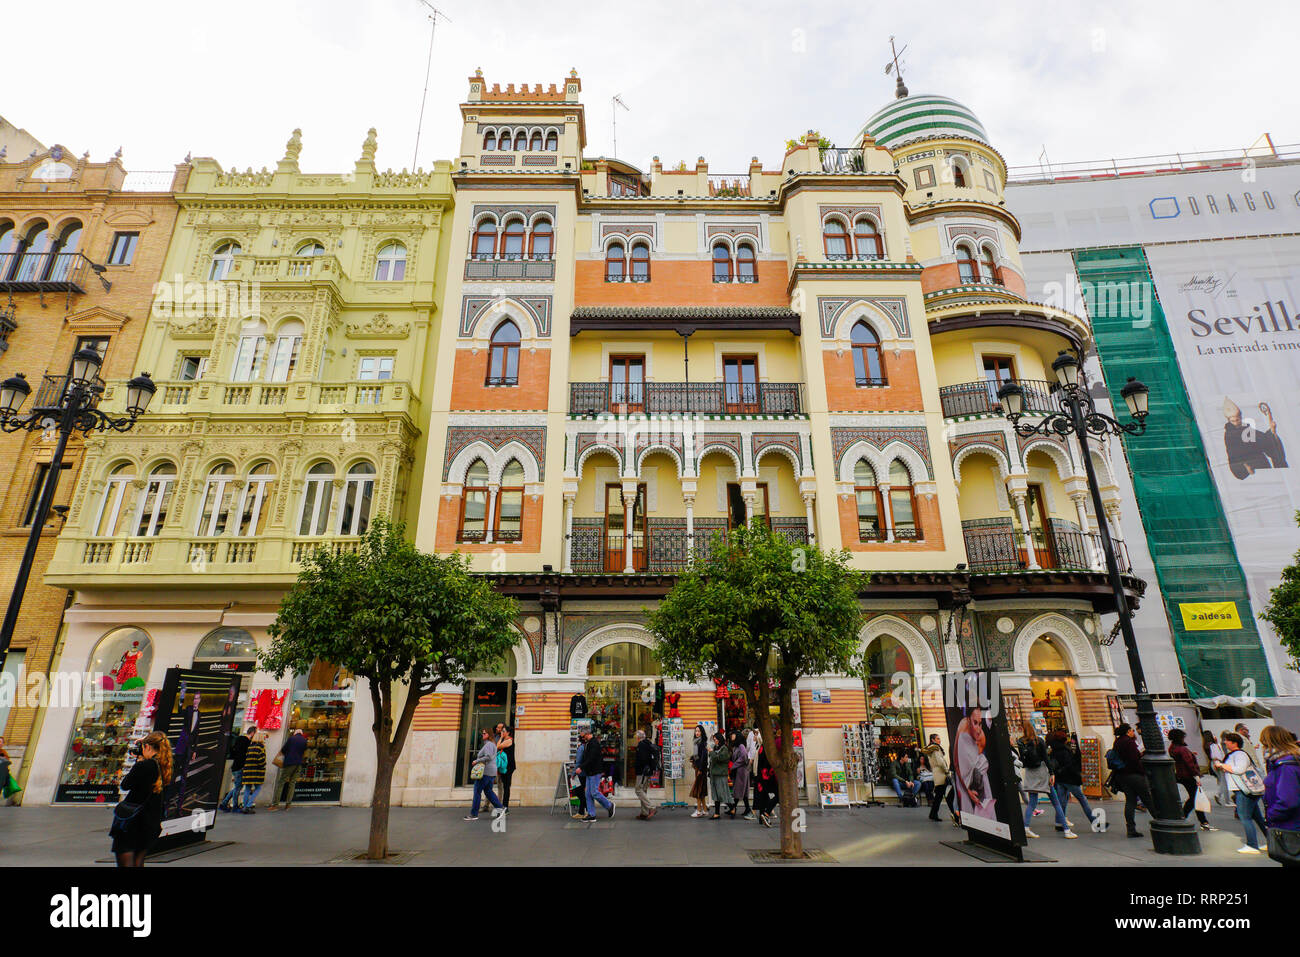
(449,526)
(947,275)
(903,394)
(468,392)
(444,716)
(678,284)
(697,706)
(543,711)
(847,706)
(927,510)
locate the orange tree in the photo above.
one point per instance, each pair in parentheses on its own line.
(396,617)
(762,612)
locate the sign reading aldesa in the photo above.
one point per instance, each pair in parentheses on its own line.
(1210,615)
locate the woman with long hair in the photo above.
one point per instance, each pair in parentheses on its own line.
(137,820)
(700,762)
(1187,773)
(765,793)
(506,746)
(1282,794)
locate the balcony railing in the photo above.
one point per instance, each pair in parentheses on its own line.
(53,389)
(43,272)
(705,398)
(978,398)
(378,395)
(992,551)
(663,549)
(843,161)
(729,185)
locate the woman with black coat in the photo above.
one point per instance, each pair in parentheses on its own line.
(137,820)
(700,762)
(1066,762)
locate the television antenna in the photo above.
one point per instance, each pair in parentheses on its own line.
(895,66)
(615,102)
(433,15)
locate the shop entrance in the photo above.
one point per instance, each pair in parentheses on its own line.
(489,700)
(624,694)
(1051,682)
(891,699)
(321,707)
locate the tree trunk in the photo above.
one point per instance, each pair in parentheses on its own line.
(381,696)
(787,779)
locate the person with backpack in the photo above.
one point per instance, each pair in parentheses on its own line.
(238,752)
(1246,787)
(1282,794)
(647,762)
(1038,779)
(1188,774)
(593,770)
(1066,762)
(1127,775)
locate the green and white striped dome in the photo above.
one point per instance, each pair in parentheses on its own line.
(921,116)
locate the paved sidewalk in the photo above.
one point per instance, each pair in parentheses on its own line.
(308,836)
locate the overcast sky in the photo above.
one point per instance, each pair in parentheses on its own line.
(727,81)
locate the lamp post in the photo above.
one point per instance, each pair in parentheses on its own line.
(65,403)
(1170,833)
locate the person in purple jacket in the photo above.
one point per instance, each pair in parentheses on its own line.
(1282,784)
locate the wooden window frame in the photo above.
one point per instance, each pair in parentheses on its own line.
(968,267)
(496,517)
(865,349)
(740,407)
(726,260)
(552,142)
(485,229)
(635,260)
(751,260)
(994,273)
(486,489)
(621,259)
(880,509)
(630,405)
(910,488)
(536,141)
(767,502)
(503,349)
(640,556)
(490,141)
(870,236)
(549,233)
(124,244)
(841,232)
(514,230)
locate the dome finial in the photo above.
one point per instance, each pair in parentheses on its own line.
(896,67)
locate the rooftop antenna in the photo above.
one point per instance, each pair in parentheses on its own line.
(434,14)
(615,102)
(896,67)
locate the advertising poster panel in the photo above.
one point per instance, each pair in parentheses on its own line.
(988,797)
(196,710)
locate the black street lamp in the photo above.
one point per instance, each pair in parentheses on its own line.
(1170,832)
(66,403)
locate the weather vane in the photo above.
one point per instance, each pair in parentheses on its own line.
(895,66)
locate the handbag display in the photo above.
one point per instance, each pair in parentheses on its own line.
(1284,846)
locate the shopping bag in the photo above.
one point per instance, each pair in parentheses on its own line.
(1202,802)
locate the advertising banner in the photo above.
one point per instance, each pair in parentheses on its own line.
(196,710)
(988,796)
(832,784)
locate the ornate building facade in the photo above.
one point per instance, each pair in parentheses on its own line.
(288,340)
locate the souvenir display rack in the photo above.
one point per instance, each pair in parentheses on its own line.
(97,754)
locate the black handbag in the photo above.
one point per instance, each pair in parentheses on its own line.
(1284,846)
(125,817)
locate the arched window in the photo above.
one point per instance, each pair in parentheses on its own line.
(255,500)
(35,253)
(746,263)
(284,353)
(506,142)
(989,267)
(489,141)
(958,177)
(64,253)
(117,507)
(721,263)
(249,353)
(512,241)
(510,504)
(836,238)
(156,500)
(316,499)
(222,260)
(552,141)
(390,263)
(539,241)
(310,248)
(474,503)
(902,504)
(10,248)
(870,508)
(640,262)
(868,361)
(535,144)
(615,263)
(485,239)
(214,512)
(892,704)
(358,493)
(503,356)
(967,268)
(866,239)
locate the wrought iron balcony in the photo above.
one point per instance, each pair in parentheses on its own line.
(662,549)
(53,388)
(704,398)
(994,551)
(44,272)
(980,398)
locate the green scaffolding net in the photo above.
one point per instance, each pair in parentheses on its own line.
(1187,532)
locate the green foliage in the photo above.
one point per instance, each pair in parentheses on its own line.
(823,144)
(760,607)
(391,613)
(1283,611)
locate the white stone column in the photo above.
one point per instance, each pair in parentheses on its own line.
(1019,499)
(690,523)
(1081,507)
(808,499)
(569,499)
(888,509)
(629,501)
(491,513)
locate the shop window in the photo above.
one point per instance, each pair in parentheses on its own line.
(223,260)
(488,701)
(358,496)
(321,707)
(870,507)
(485,239)
(214,513)
(835,237)
(615,263)
(746,264)
(390,263)
(540,240)
(255,500)
(640,262)
(721,263)
(902,504)
(624,694)
(892,705)
(1050,681)
(503,356)
(97,752)
(510,504)
(967,267)
(229,651)
(512,240)
(156,500)
(866,240)
(122,250)
(868,360)
(317,495)
(474,504)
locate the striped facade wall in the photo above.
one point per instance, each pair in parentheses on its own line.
(847,706)
(437,712)
(1094,708)
(542,711)
(697,706)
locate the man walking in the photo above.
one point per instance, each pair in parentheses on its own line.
(647,762)
(593,767)
(291,755)
(238,753)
